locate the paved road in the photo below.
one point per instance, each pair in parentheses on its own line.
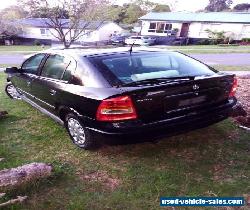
(231,59)
(12,59)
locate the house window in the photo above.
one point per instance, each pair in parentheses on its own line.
(44,31)
(152,27)
(160,27)
(168,28)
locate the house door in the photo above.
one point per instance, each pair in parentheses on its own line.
(184,30)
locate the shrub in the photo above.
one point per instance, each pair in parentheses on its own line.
(204,42)
(245,40)
(37,42)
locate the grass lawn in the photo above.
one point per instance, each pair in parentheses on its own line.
(8,65)
(20,49)
(213,161)
(231,68)
(207,49)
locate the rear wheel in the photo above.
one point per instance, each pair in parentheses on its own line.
(11,91)
(79,135)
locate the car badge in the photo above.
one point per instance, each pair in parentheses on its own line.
(196,87)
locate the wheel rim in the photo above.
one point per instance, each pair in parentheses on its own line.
(12,92)
(76,131)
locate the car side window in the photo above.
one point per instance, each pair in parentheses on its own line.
(32,64)
(55,66)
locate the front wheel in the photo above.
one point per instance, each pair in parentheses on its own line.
(79,135)
(11,91)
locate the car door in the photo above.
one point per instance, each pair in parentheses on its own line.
(28,72)
(53,78)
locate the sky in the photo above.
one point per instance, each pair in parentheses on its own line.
(178,5)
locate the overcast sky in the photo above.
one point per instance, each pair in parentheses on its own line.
(179,5)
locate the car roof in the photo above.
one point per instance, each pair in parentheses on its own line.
(81,51)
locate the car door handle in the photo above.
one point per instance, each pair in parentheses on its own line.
(52,92)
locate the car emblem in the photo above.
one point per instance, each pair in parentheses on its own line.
(196,87)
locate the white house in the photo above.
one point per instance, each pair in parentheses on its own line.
(194,25)
(94,31)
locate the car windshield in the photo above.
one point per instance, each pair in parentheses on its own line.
(126,68)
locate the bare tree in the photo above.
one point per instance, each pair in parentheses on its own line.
(68,19)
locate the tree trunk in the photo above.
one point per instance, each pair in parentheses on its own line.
(14,177)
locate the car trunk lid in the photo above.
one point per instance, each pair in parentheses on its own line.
(156,102)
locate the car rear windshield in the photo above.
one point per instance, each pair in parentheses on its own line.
(125,68)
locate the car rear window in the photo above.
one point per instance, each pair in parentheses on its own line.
(126,68)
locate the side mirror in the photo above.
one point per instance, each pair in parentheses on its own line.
(11,70)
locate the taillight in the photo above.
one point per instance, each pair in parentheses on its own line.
(234,88)
(116,109)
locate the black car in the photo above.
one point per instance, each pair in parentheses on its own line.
(119,92)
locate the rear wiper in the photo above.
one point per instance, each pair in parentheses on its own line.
(158,80)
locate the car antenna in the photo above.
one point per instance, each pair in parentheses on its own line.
(131,48)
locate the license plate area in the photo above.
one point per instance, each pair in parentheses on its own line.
(192,101)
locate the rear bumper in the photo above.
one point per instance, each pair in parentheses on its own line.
(168,127)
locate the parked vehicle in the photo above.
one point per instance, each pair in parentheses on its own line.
(140,40)
(118,40)
(119,92)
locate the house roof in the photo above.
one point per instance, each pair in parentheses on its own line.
(42,23)
(226,17)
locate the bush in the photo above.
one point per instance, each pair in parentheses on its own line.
(246,40)
(204,42)
(37,43)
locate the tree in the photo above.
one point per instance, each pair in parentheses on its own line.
(13,13)
(242,7)
(218,5)
(133,12)
(9,29)
(115,13)
(69,19)
(161,8)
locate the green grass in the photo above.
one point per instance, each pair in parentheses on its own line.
(231,68)
(206,49)
(4,65)
(207,162)
(14,49)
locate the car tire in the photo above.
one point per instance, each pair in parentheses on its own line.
(11,91)
(79,135)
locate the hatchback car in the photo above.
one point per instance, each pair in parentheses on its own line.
(119,92)
(140,40)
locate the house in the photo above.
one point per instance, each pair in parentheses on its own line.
(37,30)
(194,25)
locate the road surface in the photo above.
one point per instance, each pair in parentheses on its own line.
(229,59)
